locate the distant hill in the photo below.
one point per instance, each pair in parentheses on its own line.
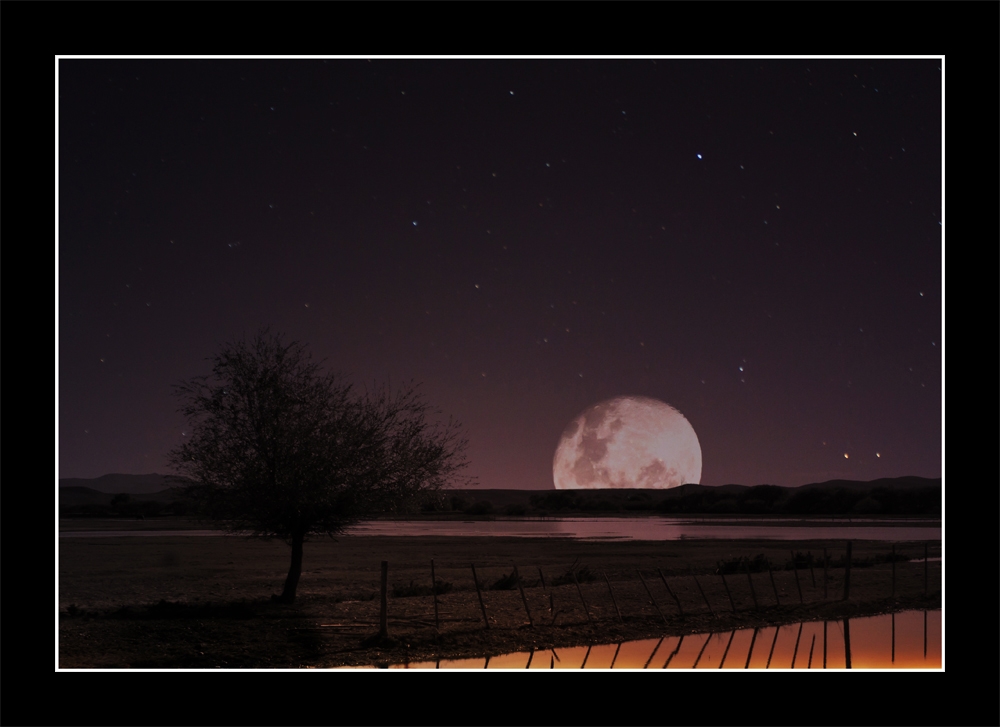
(72,496)
(130,484)
(896,483)
(123,496)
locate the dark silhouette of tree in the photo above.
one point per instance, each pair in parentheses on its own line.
(120,502)
(280,449)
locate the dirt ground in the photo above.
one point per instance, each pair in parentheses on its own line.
(204,602)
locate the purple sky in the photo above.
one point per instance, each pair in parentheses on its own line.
(756,243)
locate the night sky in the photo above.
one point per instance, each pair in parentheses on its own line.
(757,243)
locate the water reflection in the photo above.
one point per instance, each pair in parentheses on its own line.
(662,528)
(907,640)
(608,528)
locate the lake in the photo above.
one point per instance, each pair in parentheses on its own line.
(616,528)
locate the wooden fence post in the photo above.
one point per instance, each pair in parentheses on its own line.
(650,594)
(847,573)
(676,600)
(613,599)
(925,568)
(542,576)
(795,568)
(774,587)
(524,598)
(752,591)
(723,576)
(703,594)
(480,594)
(383,629)
(580,591)
(894,572)
(434,591)
(825,563)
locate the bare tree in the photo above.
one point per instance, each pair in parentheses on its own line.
(280,449)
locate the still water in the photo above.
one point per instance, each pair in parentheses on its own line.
(618,528)
(663,528)
(905,640)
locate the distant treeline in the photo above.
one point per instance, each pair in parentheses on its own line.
(98,504)
(730,500)
(771,500)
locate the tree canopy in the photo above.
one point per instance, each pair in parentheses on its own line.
(280,448)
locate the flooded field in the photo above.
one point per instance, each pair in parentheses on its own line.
(905,640)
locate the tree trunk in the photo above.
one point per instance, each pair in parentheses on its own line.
(295,570)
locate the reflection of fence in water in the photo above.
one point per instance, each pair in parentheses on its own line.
(703,649)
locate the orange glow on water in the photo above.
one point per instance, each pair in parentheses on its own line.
(907,640)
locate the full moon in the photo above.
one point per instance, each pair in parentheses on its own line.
(627,442)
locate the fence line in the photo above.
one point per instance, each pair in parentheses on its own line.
(603,611)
